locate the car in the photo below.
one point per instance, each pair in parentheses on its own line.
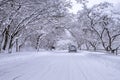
(72,48)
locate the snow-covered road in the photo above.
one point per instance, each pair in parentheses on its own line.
(81,66)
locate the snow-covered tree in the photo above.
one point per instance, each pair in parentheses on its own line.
(102,23)
(23,14)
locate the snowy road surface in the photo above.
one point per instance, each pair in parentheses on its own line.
(61,66)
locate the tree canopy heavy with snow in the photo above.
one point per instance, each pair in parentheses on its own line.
(41,24)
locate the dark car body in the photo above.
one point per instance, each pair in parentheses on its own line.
(72,48)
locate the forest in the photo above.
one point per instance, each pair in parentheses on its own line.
(44,24)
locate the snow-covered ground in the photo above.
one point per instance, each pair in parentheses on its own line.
(59,66)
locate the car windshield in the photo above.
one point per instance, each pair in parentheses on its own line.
(72,48)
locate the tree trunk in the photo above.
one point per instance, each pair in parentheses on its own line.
(0,48)
(37,44)
(10,45)
(5,36)
(79,46)
(5,40)
(17,46)
(87,47)
(95,48)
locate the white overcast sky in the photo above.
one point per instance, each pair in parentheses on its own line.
(77,7)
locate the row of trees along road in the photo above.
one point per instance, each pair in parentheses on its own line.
(42,23)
